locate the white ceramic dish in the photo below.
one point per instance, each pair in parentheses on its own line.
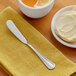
(35,12)
(72,7)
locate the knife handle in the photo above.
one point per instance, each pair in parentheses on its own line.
(48,63)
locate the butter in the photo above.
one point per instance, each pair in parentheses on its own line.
(65,26)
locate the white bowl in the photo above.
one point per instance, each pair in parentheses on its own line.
(35,12)
(72,7)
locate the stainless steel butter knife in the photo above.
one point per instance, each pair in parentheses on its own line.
(17,33)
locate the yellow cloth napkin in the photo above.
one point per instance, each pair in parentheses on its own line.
(19,59)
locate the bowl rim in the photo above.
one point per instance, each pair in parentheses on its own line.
(52,27)
(46,5)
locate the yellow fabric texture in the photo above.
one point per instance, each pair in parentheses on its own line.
(19,59)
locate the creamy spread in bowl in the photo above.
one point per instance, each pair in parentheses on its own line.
(65,26)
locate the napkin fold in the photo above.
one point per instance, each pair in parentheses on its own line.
(19,60)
